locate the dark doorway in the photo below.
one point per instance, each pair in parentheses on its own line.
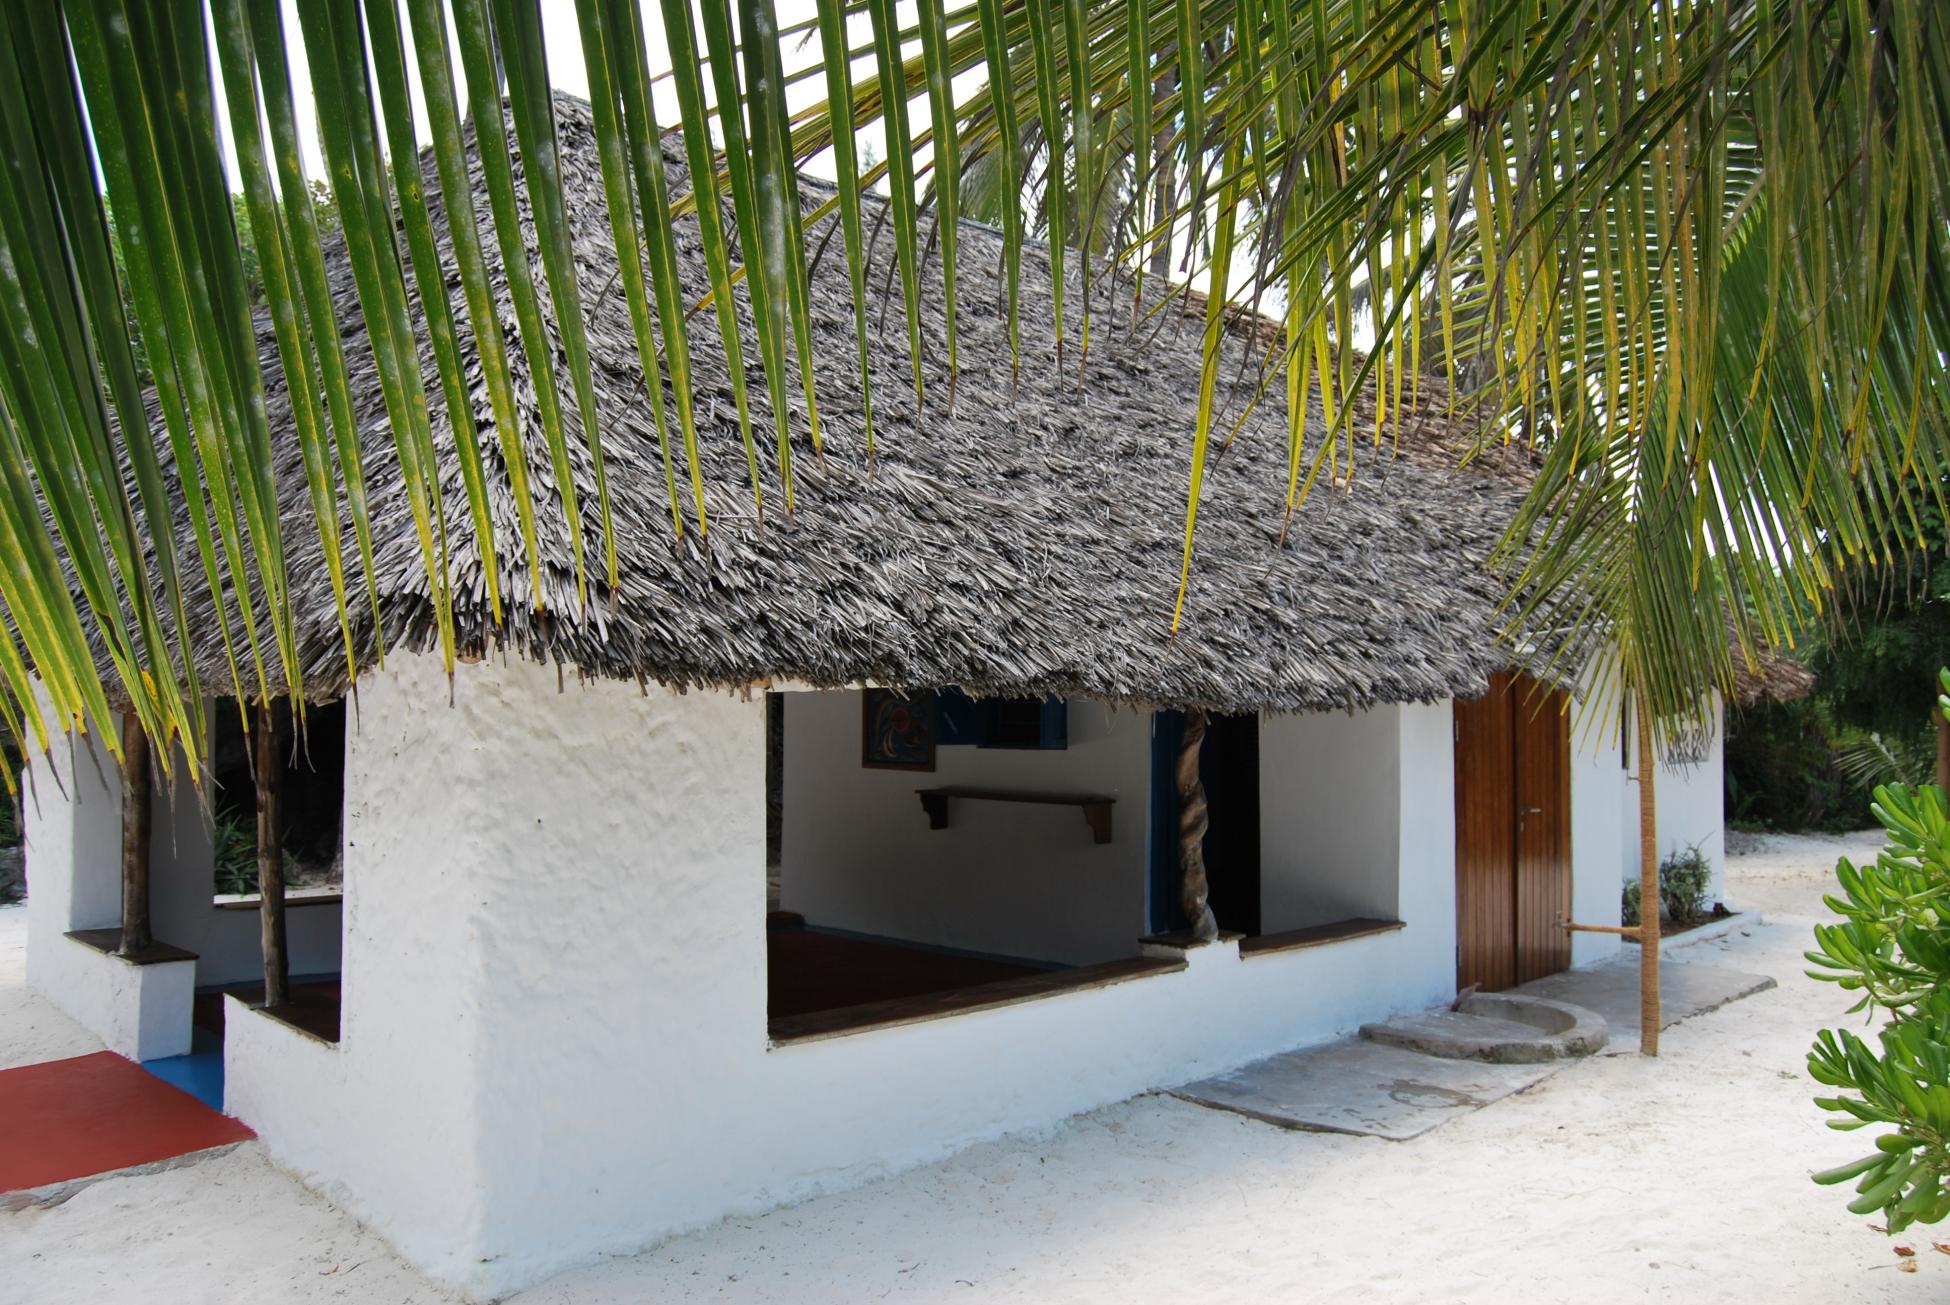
(1229,769)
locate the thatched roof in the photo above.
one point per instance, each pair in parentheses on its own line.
(1026,541)
(1773,677)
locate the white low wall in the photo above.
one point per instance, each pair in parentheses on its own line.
(73,843)
(554,1038)
(1005,878)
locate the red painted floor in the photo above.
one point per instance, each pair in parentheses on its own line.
(71,1118)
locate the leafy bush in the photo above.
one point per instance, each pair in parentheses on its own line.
(1683,880)
(1893,946)
(235,839)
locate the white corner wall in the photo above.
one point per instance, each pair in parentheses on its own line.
(1006,878)
(1690,798)
(1331,829)
(556,937)
(1597,782)
(73,840)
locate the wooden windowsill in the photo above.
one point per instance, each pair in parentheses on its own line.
(109,942)
(817,1025)
(1183,941)
(292,901)
(1319,935)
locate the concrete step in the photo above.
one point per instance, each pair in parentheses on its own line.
(1503,1028)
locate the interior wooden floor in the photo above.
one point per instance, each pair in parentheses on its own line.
(314,1007)
(809,970)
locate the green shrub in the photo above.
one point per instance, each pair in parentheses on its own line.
(235,845)
(1683,880)
(1893,947)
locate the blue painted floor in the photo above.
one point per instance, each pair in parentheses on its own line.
(200,1073)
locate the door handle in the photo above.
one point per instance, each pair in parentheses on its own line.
(1530,811)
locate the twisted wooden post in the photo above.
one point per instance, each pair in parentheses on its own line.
(1193,819)
(1649,1018)
(136,937)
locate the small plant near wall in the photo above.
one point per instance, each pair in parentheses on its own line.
(1683,881)
(1892,945)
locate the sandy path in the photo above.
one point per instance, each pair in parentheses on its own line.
(1679,1179)
(31,1030)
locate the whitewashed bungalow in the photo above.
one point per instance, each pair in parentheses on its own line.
(863,835)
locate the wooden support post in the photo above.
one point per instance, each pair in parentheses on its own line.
(1193,819)
(1649,1017)
(136,935)
(270,857)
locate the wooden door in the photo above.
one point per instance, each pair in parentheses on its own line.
(1513,827)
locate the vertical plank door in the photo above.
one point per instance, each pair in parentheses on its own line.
(1513,835)
(1542,766)
(1485,840)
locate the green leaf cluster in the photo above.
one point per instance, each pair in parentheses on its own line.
(1892,946)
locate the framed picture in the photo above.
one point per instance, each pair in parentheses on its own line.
(896,732)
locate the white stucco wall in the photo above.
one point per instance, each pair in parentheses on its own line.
(1331,826)
(1597,781)
(1690,798)
(1007,878)
(556,937)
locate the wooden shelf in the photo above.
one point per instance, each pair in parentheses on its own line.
(1096,810)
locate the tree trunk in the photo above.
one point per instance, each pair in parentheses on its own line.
(1648,888)
(270,858)
(136,936)
(1193,820)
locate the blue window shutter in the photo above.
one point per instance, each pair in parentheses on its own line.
(1056,723)
(958,719)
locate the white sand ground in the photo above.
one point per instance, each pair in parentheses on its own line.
(1681,1179)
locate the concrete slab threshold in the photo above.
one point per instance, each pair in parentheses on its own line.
(1611,988)
(1366,1088)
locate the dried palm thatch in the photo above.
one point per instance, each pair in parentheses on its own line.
(1771,677)
(1023,539)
